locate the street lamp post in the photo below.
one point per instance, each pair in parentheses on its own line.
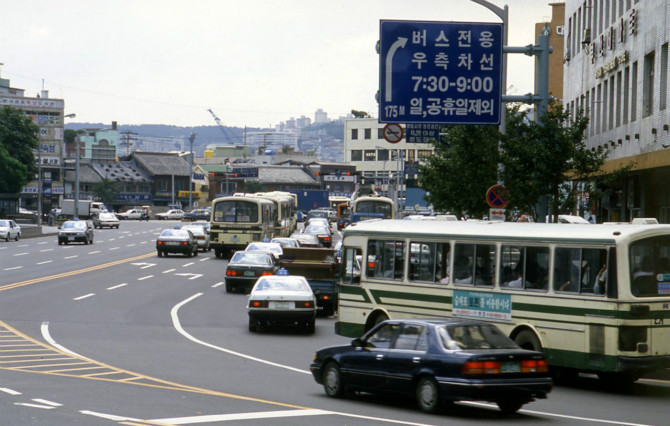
(190,173)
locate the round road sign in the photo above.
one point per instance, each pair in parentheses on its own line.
(497,197)
(393,133)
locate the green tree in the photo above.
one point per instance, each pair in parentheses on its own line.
(107,191)
(359,114)
(463,168)
(18,139)
(253,186)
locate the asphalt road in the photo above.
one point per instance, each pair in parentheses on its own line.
(111,334)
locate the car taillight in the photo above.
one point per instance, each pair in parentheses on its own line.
(307,304)
(183,243)
(160,243)
(264,273)
(326,238)
(534,366)
(481,367)
(230,273)
(258,304)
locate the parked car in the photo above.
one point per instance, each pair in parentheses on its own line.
(174,214)
(200,235)
(105,220)
(9,230)
(245,267)
(274,248)
(76,231)
(282,300)
(286,242)
(323,233)
(176,241)
(436,361)
(130,214)
(306,240)
(197,214)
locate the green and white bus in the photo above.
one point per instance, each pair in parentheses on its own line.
(594,298)
(238,220)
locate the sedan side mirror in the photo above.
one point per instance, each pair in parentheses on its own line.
(357,343)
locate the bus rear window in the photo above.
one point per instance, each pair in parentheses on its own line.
(650,267)
(236,212)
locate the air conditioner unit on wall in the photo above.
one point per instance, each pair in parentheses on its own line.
(586,39)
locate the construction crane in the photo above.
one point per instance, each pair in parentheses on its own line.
(222,127)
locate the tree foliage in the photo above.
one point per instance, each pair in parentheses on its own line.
(359,114)
(107,191)
(18,139)
(540,160)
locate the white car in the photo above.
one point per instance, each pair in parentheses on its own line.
(282,300)
(174,214)
(106,220)
(274,248)
(200,235)
(9,230)
(129,214)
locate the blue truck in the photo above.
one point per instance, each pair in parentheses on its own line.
(319,266)
(310,199)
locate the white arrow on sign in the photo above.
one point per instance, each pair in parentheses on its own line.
(193,276)
(401,42)
(144,265)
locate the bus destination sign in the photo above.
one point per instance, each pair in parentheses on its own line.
(440,72)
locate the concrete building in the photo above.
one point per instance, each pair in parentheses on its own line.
(616,70)
(48,115)
(320,116)
(386,165)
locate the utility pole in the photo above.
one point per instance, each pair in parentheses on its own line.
(191,139)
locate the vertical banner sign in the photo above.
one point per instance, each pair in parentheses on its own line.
(440,72)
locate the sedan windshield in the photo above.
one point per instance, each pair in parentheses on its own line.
(174,233)
(74,225)
(251,258)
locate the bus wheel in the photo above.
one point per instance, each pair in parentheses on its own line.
(528,340)
(218,253)
(379,318)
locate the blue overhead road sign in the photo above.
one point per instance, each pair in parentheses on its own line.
(440,72)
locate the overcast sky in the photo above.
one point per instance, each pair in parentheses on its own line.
(253,62)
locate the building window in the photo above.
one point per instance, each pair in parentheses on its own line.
(663,93)
(370,155)
(633,94)
(626,95)
(354,134)
(368,133)
(618,99)
(612,105)
(648,85)
(356,155)
(382,155)
(162,185)
(604,106)
(380,133)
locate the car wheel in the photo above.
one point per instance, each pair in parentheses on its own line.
(195,252)
(17,237)
(7,237)
(509,406)
(159,253)
(311,326)
(428,395)
(218,253)
(252,326)
(332,380)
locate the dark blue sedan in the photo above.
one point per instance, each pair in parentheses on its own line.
(436,361)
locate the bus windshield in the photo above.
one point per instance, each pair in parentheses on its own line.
(650,267)
(235,211)
(374,206)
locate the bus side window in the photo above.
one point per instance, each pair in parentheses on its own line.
(485,264)
(537,268)
(351,264)
(442,263)
(463,263)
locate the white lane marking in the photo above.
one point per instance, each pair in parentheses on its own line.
(45,262)
(12,268)
(110,416)
(52,342)
(218,284)
(43,242)
(144,265)
(144,242)
(187,274)
(132,245)
(71,257)
(167,271)
(240,416)
(114,287)
(178,327)
(204,259)
(84,296)
(562,416)
(10,391)
(46,250)
(20,254)
(44,407)
(115,248)
(94,252)
(187,264)
(47,402)
(145,278)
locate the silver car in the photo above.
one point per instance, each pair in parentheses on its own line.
(200,235)
(282,300)
(9,230)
